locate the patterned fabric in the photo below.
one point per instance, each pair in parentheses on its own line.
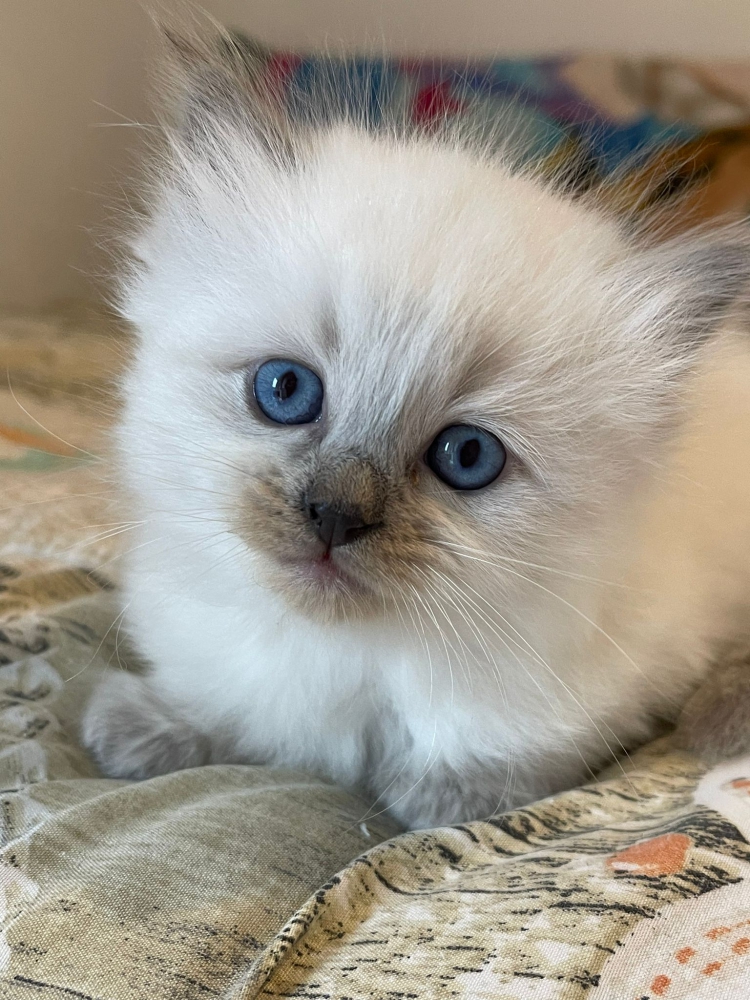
(221,881)
(637,886)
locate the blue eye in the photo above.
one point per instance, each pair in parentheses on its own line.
(287,392)
(465,457)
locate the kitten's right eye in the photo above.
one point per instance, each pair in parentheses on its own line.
(288,392)
(466,457)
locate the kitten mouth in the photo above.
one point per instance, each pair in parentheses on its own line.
(327,574)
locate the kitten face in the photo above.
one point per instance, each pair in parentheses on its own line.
(425,289)
(411,333)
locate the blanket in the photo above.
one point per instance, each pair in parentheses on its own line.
(239,882)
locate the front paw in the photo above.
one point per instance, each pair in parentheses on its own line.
(132,733)
(715,722)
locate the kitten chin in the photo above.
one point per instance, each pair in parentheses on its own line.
(427,495)
(333,582)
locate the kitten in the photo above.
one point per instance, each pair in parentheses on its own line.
(413,440)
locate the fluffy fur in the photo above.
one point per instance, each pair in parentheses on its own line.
(478,649)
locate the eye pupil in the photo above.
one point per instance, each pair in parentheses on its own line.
(285,386)
(469,453)
(466,457)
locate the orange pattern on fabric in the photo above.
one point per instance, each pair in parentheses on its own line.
(660,985)
(717,932)
(660,856)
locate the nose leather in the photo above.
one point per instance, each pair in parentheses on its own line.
(337,524)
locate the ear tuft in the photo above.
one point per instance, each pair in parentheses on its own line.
(216,91)
(689,285)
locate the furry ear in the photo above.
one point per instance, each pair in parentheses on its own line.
(686,287)
(216,90)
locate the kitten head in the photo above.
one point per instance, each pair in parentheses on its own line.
(386,365)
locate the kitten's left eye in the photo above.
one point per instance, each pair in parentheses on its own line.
(288,392)
(466,457)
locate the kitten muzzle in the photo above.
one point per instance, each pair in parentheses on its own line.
(345,502)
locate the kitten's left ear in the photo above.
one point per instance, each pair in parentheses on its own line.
(216,90)
(686,287)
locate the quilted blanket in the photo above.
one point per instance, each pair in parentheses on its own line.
(240,882)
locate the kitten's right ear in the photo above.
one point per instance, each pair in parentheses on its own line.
(217,91)
(684,288)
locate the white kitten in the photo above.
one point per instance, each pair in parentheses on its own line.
(395,432)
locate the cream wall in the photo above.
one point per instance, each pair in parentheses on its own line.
(68,68)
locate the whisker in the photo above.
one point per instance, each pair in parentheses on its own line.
(475,631)
(46,429)
(56,499)
(577,611)
(553,673)
(530,565)
(423,638)
(428,767)
(98,648)
(103,536)
(417,597)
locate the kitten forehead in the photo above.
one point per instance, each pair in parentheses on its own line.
(422,231)
(413,199)
(369,226)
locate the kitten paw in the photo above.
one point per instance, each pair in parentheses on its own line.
(132,733)
(715,722)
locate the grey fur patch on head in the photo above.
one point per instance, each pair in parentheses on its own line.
(694,281)
(215,92)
